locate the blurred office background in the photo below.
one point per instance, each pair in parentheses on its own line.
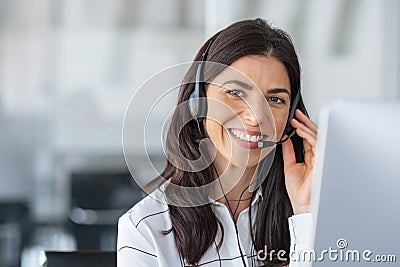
(68,69)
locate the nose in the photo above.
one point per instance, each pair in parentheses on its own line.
(257,113)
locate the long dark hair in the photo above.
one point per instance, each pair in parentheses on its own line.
(195,228)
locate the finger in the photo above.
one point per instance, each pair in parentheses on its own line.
(308,156)
(309,152)
(308,147)
(308,137)
(296,124)
(289,157)
(306,120)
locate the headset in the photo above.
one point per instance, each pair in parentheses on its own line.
(198,108)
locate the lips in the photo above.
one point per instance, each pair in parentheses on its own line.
(247,138)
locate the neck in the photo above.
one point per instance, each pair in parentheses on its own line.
(234,190)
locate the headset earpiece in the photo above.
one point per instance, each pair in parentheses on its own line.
(289,130)
(197,103)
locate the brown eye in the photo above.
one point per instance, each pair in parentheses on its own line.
(277,100)
(235,92)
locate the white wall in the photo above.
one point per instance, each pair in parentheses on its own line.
(348,49)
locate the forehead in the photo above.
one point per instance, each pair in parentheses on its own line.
(262,71)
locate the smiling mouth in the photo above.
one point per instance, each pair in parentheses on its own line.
(243,135)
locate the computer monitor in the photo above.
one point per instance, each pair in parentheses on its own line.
(356,185)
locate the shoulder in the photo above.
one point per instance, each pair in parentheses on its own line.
(140,228)
(151,211)
(144,222)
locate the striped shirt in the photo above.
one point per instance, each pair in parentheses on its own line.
(141,243)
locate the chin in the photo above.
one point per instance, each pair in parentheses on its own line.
(241,162)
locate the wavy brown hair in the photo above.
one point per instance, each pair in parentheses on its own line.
(195,228)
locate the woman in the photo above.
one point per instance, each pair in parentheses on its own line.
(257,210)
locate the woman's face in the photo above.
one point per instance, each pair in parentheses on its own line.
(245,106)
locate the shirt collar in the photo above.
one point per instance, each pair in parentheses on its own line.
(258,197)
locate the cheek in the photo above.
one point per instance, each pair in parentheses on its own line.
(280,118)
(219,112)
(212,127)
(214,130)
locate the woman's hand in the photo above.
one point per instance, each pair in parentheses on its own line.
(298,175)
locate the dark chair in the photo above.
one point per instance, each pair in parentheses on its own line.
(14,232)
(79,259)
(98,199)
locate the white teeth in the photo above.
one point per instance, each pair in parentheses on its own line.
(246,137)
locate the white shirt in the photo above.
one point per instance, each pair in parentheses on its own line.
(141,243)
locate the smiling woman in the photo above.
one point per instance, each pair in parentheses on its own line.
(258,211)
(252,106)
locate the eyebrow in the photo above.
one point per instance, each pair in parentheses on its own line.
(249,87)
(278,90)
(239,83)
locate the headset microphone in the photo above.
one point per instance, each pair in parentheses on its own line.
(264,144)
